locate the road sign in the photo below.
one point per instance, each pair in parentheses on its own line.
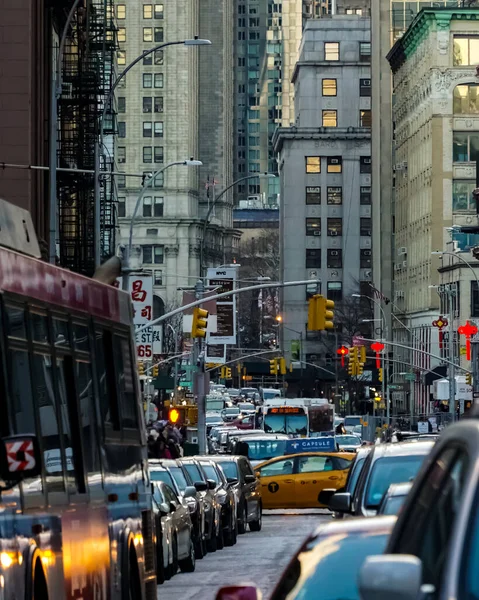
(396,386)
(410,377)
(224,280)
(141,292)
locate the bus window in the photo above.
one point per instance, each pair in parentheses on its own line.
(60,333)
(63,397)
(126,382)
(39,328)
(16,322)
(80,338)
(88,429)
(22,393)
(105,368)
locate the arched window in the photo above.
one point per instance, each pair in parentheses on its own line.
(158,307)
(466,99)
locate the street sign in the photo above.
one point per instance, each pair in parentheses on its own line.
(215,353)
(224,280)
(141,292)
(410,377)
(396,386)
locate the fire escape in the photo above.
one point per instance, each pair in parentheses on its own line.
(88,72)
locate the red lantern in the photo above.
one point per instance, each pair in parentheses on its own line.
(468,330)
(343,351)
(377,347)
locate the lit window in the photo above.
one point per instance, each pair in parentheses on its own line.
(330,118)
(122,34)
(313,164)
(335,195)
(313,226)
(335,227)
(159,129)
(335,164)
(147,34)
(331,51)
(466,99)
(466,51)
(329,87)
(365,118)
(121,57)
(159,11)
(147,11)
(364,51)
(313,195)
(121,12)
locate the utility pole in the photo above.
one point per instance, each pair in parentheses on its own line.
(200,379)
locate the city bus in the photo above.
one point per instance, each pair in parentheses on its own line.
(75,518)
(285,416)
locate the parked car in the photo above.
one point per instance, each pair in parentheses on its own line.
(326,565)
(171,473)
(174,533)
(394,498)
(226,498)
(247,489)
(385,464)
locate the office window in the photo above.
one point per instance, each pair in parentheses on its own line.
(121,129)
(313,195)
(121,34)
(158,104)
(335,164)
(365,195)
(159,129)
(365,87)
(147,11)
(364,51)
(365,118)
(313,226)
(159,11)
(241,61)
(147,203)
(462,198)
(147,154)
(148,60)
(330,118)
(121,181)
(158,80)
(121,57)
(159,181)
(158,277)
(159,154)
(334,291)
(153,254)
(147,34)
(329,87)
(365,261)
(313,258)
(466,99)
(158,204)
(147,80)
(313,164)
(121,154)
(335,226)
(335,195)
(158,57)
(121,104)
(365,164)
(474,299)
(365,226)
(465,147)
(335,259)
(466,51)
(121,12)
(121,206)
(159,34)
(147,105)
(331,51)
(147,127)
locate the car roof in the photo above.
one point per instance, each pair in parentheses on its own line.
(363,451)
(350,455)
(366,525)
(268,436)
(225,457)
(161,463)
(401,449)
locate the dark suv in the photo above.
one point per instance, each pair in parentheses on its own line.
(247,488)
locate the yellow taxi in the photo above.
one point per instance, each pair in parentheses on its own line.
(296,480)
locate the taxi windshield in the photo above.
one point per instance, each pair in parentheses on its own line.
(385,471)
(265,449)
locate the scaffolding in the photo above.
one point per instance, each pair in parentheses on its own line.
(88,72)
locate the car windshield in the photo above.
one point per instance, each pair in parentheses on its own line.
(355,473)
(163,476)
(385,471)
(393,504)
(230,468)
(271,394)
(245,406)
(265,449)
(351,421)
(314,574)
(348,440)
(193,472)
(179,478)
(210,473)
(296,424)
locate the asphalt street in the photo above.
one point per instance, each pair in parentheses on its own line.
(257,557)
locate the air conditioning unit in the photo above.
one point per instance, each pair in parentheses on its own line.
(122,160)
(399,294)
(397,267)
(334,252)
(317,233)
(367,252)
(333,233)
(402,250)
(404,264)
(367,274)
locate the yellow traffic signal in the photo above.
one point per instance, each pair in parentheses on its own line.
(200,323)
(273,367)
(141,368)
(380,373)
(362,354)
(228,373)
(469,378)
(354,355)
(351,368)
(174,415)
(320,313)
(359,369)
(282,366)
(155,371)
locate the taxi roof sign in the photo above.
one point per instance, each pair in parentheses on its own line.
(322,444)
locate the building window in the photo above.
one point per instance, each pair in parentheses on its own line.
(335,195)
(121,181)
(313,226)
(329,87)
(462,198)
(122,34)
(158,104)
(147,202)
(159,154)
(158,277)
(365,226)
(365,261)
(147,80)
(335,259)
(331,51)
(330,118)
(159,34)
(147,34)
(121,57)
(312,289)
(121,154)
(147,105)
(147,125)
(159,129)
(120,12)
(365,164)
(313,258)
(465,147)
(364,51)
(365,195)
(121,129)
(313,195)
(158,80)
(147,60)
(365,87)
(158,204)
(335,226)
(335,291)
(313,164)
(474,299)
(335,164)
(159,11)
(466,99)
(147,154)
(121,206)
(159,181)
(147,11)
(158,57)
(153,255)
(121,104)
(466,51)
(365,118)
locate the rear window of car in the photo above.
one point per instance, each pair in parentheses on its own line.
(388,470)
(230,468)
(163,476)
(319,573)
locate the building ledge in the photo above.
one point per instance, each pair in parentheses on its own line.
(328,64)
(319,133)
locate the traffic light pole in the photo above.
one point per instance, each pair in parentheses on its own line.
(200,377)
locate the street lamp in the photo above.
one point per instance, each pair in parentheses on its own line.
(106,105)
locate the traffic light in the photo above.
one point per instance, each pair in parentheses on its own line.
(354,354)
(362,354)
(141,369)
(320,313)
(469,378)
(359,369)
(282,366)
(380,373)
(273,367)
(200,323)
(155,370)
(351,367)
(174,415)
(228,373)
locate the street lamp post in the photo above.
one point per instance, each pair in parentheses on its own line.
(99,144)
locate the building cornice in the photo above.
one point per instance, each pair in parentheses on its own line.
(327,64)
(357,134)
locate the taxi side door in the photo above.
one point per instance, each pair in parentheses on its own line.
(278,484)
(315,473)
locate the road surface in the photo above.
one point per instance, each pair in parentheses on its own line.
(257,557)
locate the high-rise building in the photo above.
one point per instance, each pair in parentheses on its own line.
(174,105)
(325,175)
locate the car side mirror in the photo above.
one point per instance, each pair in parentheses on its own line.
(20,457)
(211,484)
(232,480)
(239,592)
(164,509)
(340,502)
(190,491)
(325,496)
(201,486)
(249,478)
(397,576)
